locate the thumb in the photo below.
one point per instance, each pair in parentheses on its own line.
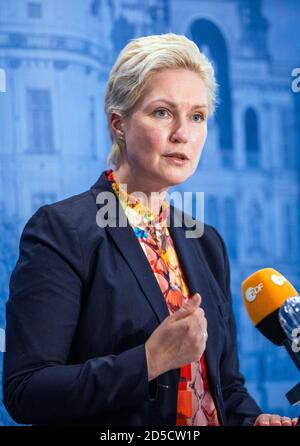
(188,307)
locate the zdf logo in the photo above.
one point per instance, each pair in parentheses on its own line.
(278,280)
(296,82)
(252,292)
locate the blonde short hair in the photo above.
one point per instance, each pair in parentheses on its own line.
(135,63)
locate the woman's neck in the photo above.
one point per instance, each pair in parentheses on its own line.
(150,194)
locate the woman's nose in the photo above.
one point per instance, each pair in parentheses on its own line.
(180,133)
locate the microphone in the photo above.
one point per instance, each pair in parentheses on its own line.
(273,305)
(264,292)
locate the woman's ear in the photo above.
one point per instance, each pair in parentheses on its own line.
(116,123)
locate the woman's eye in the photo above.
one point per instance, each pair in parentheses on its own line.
(162,111)
(200,117)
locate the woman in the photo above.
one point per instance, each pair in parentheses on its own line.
(130,324)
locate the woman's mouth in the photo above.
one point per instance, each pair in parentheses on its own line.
(176,158)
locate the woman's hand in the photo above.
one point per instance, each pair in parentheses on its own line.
(266,419)
(178,340)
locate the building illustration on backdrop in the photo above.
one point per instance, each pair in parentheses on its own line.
(54,142)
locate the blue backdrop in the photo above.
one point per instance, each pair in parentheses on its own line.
(55,57)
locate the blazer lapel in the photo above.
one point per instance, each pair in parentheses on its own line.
(128,245)
(196,272)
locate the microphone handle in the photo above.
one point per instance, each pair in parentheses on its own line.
(293,396)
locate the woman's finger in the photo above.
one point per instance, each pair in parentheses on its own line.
(263,420)
(286,421)
(275,420)
(188,307)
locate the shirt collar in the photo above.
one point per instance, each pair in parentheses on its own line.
(136,212)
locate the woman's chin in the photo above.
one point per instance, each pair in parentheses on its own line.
(174,177)
(175,171)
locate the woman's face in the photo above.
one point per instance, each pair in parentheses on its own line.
(170,118)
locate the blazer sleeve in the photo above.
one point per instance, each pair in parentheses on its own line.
(42,313)
(240,407)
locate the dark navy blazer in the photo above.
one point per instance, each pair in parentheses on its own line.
(83,302)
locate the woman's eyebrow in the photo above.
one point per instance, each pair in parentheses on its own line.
(172,104)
